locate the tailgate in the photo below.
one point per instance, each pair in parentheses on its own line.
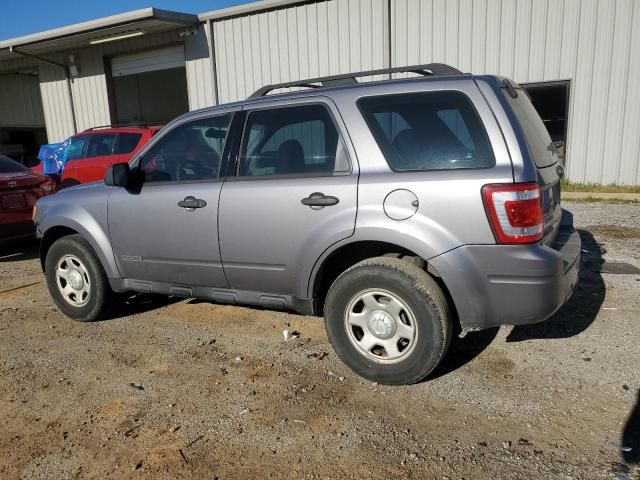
(545,157)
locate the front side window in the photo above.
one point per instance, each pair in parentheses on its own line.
(300,140)
(75,149)
(428,131)
(191,151)
(101,144)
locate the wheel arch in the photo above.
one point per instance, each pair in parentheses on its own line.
(334,262)
(89,230)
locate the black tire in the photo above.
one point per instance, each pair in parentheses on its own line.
(418,291)
(100,293)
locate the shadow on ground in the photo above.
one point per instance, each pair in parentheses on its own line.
(583,307)
(136,303)
(18,250)
(463,350)
(631,435)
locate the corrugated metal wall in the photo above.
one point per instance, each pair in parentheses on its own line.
(590,42)
(20,100)
(89,89)
(302,41)
(594,43)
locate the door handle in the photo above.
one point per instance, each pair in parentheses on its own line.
(191,203)
(319,200)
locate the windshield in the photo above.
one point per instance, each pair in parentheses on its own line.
(10,166)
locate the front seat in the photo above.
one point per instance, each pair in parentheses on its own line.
(290,158)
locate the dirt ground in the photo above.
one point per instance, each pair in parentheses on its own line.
(180,388)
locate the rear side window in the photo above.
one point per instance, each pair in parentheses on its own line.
(428,131)
(301,140)
(538,139)
(127,142)
(101,144)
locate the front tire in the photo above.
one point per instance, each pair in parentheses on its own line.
(388,320)
(76,280)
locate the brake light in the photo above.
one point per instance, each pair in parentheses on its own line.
(514,211)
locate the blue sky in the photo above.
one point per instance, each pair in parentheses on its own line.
(21,17)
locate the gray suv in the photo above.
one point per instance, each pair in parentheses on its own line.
(400,210)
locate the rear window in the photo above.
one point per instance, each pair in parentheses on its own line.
(428,131)
(10,166)
(127,142)
(538,139)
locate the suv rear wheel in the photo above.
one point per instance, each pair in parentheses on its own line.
(76,279)
(388,320)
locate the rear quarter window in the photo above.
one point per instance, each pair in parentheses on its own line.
(428,131)
(536,134)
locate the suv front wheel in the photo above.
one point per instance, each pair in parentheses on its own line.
(388,320)
(76,279)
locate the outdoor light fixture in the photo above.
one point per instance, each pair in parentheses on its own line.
(116,37)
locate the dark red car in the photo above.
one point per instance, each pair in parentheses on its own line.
(19,190)
(91,152)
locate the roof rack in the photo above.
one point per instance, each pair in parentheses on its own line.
(428,69)
(122,125)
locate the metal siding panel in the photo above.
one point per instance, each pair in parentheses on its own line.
(466,34)
(492,51)
(629,173)
(507,38)
(601,78)
(451,33)
(21,101)
(198,68)
(553,40)
(582,87)
(479,36)
(521,52)
(618,86)
(438,29)
(55,103)
(537,40)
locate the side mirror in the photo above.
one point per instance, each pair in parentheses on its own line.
(118,175)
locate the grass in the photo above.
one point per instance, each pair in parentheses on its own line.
(616,201)
(594,187)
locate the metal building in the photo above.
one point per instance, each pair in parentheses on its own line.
(577,58)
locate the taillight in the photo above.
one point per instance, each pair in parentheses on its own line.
(514,211)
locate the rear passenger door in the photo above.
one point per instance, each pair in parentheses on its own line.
(293,194)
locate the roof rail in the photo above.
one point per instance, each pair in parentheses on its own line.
(123,125)
(428,69)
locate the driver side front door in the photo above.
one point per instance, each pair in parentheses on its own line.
(167,231)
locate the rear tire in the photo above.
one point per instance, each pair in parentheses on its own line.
(76,280)
(388,320)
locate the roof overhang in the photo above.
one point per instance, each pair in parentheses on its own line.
(249,8)
(113,28)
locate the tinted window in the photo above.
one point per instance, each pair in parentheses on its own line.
(10,166)
(127,142)
(537,136)
(101,144)
(75,150)
(293,140)
(428,131)
(191,151)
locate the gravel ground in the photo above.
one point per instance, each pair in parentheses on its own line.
(182,388)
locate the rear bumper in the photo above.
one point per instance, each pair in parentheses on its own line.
(495,285)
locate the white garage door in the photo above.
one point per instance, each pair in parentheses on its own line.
(165,58)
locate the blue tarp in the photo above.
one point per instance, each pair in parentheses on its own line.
(53,157)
